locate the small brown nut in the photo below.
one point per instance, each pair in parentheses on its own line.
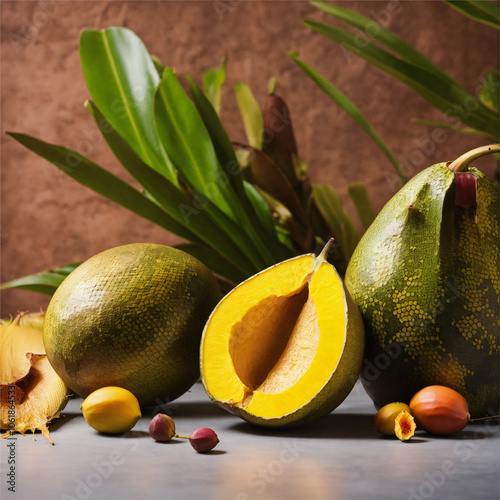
(203,439)
(162,428)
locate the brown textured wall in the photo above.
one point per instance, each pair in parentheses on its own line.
(49,220)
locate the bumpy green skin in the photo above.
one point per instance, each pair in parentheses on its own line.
(426,277)
(131,316)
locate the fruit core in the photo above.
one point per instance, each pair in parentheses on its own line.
(275,342)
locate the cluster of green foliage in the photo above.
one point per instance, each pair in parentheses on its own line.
(464,112)
(241,207)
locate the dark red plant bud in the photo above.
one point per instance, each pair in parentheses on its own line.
(279,140)
(465,190)
(278,122)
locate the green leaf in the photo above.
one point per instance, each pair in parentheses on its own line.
(271,85)
(359,196)
(441,92)
(329,204)
(65,270)
(171,197)
(354,112)
(33,287)
(407,53)
(490,90)
(464,130)
(350,239)
(341,225)
(45,282)
(300,166)
(374,30)
(260,207)
(214,261)
(189,145)
(122,80)
(291,229)
(482,11)
(251,114)
(187,212)
(89,174)
(213,80)
(227,159)
(220,140)
(158,65)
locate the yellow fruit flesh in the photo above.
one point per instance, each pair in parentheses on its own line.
(404,426)
(271,354)
(298,353)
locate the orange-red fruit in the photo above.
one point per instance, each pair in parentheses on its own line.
(440,410)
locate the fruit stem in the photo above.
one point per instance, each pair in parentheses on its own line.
(483,418)
(16,320)
(183,437)
(462,162)
(324,253)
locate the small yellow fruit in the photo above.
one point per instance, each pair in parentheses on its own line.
(386,417)
(111,410)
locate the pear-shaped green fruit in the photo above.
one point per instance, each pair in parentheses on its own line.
(426,278)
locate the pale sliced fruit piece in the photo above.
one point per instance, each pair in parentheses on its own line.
(31,403)
(284,347)
(15,342)
(32,394)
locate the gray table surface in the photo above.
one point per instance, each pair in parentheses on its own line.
(340,457)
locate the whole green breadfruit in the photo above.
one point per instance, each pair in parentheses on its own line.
(131,316)
(426,277)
